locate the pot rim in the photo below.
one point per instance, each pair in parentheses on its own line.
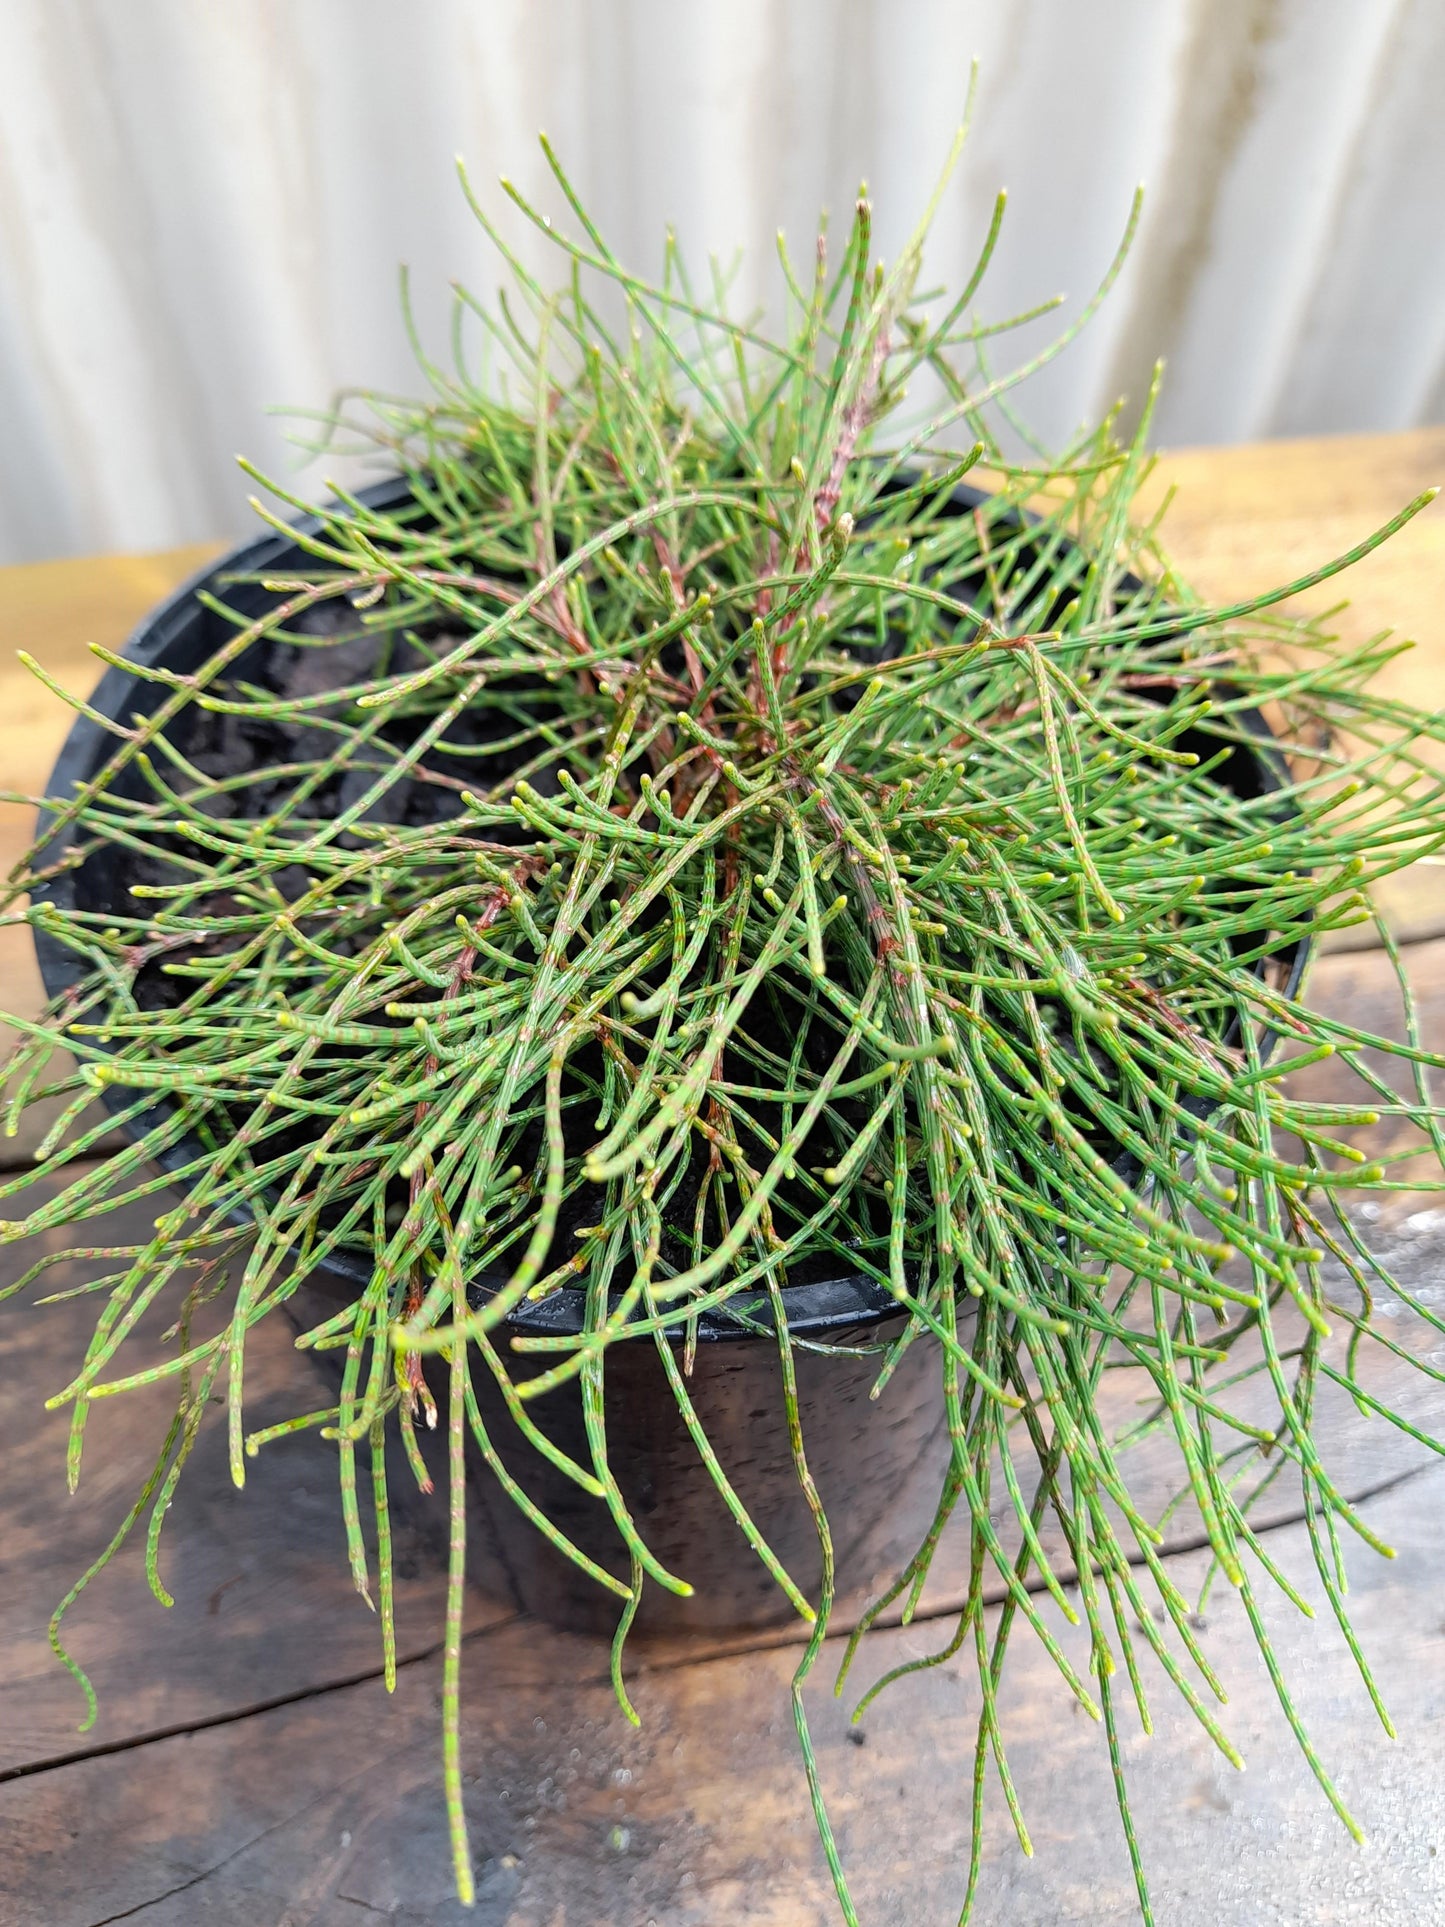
(850,1303)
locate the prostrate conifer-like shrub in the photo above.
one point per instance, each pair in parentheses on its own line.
(693,842)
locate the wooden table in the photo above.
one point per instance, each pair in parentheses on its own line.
(247,1766)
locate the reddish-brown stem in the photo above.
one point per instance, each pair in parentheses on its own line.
(414,1385)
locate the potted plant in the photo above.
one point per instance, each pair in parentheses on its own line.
(723,966)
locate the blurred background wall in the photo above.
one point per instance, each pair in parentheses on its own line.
(203,202)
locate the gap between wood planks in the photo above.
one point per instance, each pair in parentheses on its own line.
(677,1661)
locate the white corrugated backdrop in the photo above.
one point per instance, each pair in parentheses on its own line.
(202,202)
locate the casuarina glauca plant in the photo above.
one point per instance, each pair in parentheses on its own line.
(709,848)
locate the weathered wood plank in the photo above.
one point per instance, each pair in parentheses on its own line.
(264,1603)
(327,1812)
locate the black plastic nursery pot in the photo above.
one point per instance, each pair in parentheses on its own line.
(877,1464)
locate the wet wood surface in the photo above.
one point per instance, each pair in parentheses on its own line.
(247,1765)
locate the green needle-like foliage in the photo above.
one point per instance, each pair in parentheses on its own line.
(715,853)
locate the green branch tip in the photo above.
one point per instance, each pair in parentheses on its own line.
(682,846)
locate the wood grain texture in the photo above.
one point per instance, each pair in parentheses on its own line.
(264,1605)
(327,1812)
(248,1767)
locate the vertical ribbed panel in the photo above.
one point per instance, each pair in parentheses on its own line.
(202,206)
